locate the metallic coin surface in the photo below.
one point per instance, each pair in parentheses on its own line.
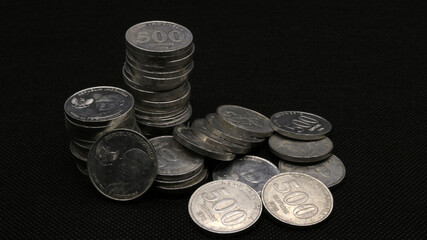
(245,120)
(252,170)
(175,161)
(300,125)
(300,151)
(171,181)
(297,199)
(122,164)
(225,207)
(184,185)
(186,137)
(330,172)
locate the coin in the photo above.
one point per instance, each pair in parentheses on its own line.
(186,137)
(122,164)
(174,161)
(184,186)
(82,166)
(244,120)
(171,181)
(330,172)
(225,207)
(297,199)
(251,170)
(300,151)
(300,125)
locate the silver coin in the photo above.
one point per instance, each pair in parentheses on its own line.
(184,185)
(183,63)
(225,207)
(122,164)
(151,59)
(244,120)
(199,129)
(330,172)
(251,170)
(171,105)
(137,72)
(77,154)
(141,61)
(174,161)
(300,151)
(240,138)
(297,199)
(186,137)
(159,181)
(300,125)
(159,115)
(168,122)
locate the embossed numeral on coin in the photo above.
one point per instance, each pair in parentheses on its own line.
(305,211)
(296,198)
(224,204)
(142,37)
(233,217)
(286,186)
(216,195)
(176,36)
(302,122)
(159,36)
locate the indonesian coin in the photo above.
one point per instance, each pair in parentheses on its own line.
(244,120)
(300,151)
(330,172)
(297,199)
(178,187)
(225,207)
(252,170)
(300,125)
(122,164)
(175,161)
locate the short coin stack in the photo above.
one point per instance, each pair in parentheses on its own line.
(94,111)
(158,64)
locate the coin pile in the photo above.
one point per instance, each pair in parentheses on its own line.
(94,111)
(231,130)
(159,60)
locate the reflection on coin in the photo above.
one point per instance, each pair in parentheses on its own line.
(300,151)
(225,206)
(252,170)
(330,172)
(297,199)
(174,161)
(300,125)
(244,120)
(122,164)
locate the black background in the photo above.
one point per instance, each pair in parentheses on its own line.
(359,65)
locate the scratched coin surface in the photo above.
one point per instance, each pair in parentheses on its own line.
(300,125)
(122,164)
(297,199)
(330,172)
(175,161)
(225,207)
(252,170)
(244,120)
(300,151)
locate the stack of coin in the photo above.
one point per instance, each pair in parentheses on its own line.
(179,169)
(302,145)
(231,130)
(94,111)
(159,60)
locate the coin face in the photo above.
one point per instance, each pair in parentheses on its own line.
(225,206)
(297,199)
(300,151)
(122,164)
(252,170)
(300,125)
(330,172)
(175,161)
(98,104)
(245,120)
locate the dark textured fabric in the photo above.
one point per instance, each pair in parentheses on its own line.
(361,65)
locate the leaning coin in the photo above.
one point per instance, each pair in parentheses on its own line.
(252,170)
(297,199)
(225,207)
(186,137)
(244,120)
(122,164)
(300,151)
(330,172)
(300,125)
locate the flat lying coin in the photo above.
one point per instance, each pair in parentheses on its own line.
(300,151)
(300,125)
(244,120)
(297,199)
(181,187)
(225,207)
(122,164)
(330,172)
(252,170)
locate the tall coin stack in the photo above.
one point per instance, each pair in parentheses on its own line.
(158,63)
(94,111)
